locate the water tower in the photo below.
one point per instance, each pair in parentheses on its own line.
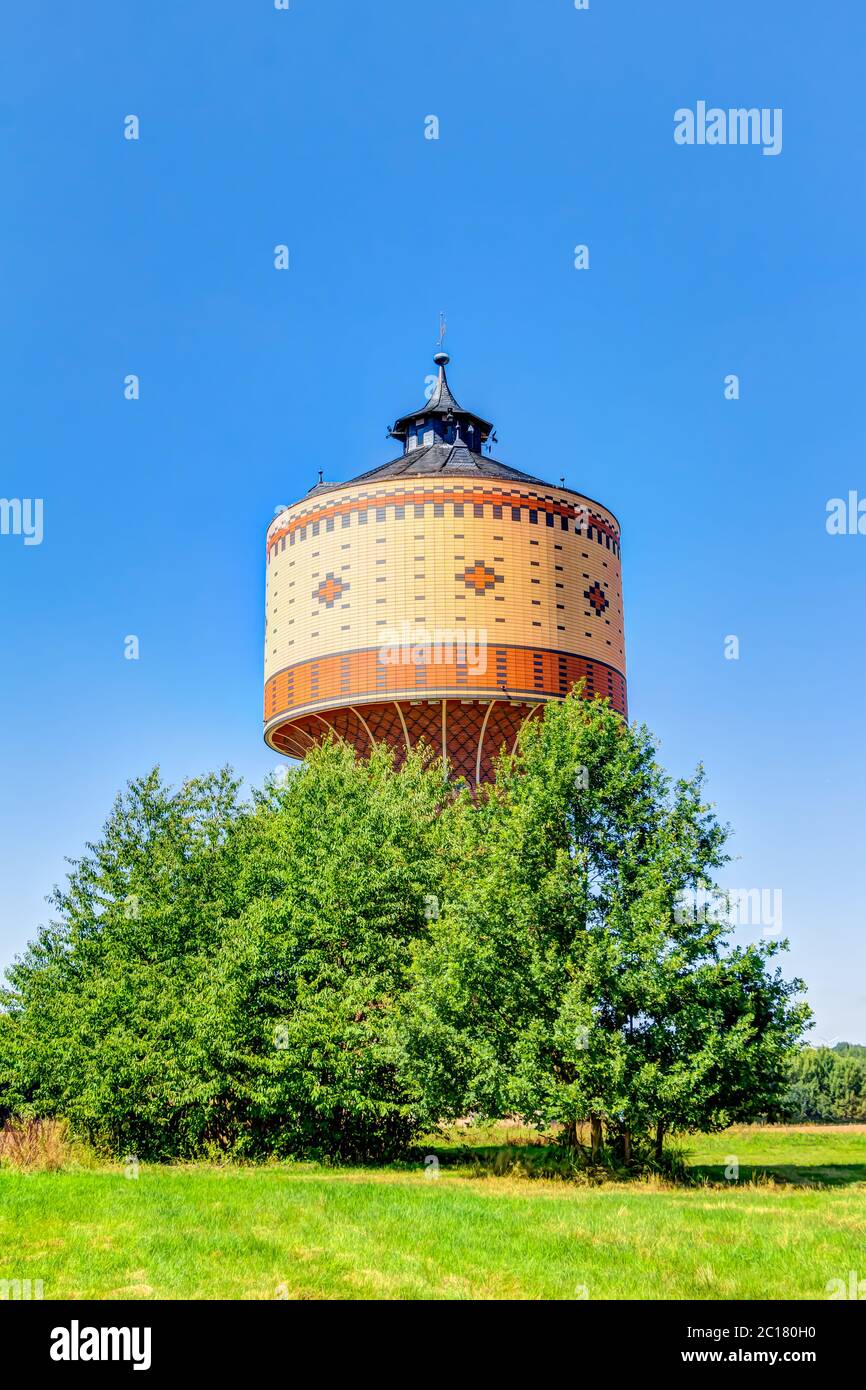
(443,597)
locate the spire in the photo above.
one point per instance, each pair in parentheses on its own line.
(442,398)
(442,420)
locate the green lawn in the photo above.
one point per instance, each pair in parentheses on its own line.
(300,1231)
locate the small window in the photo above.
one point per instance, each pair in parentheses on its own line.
(429,436)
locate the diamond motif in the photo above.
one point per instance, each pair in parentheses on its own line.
(597,598)
(479,577)
(330,590)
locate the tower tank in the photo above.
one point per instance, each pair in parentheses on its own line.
(443,597)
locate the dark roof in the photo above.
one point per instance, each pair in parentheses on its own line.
(456,456)
(442,399)
(436,460)
(443,403)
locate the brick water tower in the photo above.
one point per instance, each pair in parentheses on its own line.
(443,597)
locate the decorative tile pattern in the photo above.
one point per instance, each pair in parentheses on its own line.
(516,672)
(330,590)
(521,503)
(597,598)
(518,569)
(479,577)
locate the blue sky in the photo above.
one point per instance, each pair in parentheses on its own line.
(306,127)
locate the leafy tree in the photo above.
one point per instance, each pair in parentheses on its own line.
(99,1016)
(563,981)
(361,952)
(344,872)
(224,977)
(826,1085)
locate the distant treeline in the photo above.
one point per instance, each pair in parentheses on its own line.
(827,1085)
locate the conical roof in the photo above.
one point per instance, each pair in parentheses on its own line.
(437,460)
(440,438)
(442,405)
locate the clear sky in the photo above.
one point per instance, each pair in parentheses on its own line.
(306,127)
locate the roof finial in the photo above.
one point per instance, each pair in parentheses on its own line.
(321,476)
(441,358)
(441,407)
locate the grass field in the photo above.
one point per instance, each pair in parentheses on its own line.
(794,1219)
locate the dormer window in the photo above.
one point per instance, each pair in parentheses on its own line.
(429,437)
(412,442)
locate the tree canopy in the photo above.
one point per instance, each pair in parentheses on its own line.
(361,952)
(564,982)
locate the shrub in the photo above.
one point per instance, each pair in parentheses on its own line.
(33,1145)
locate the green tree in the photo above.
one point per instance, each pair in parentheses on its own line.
(826,1085)
(225,977)
(564,981)
(361,952)
(343,874)
(99,1016)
